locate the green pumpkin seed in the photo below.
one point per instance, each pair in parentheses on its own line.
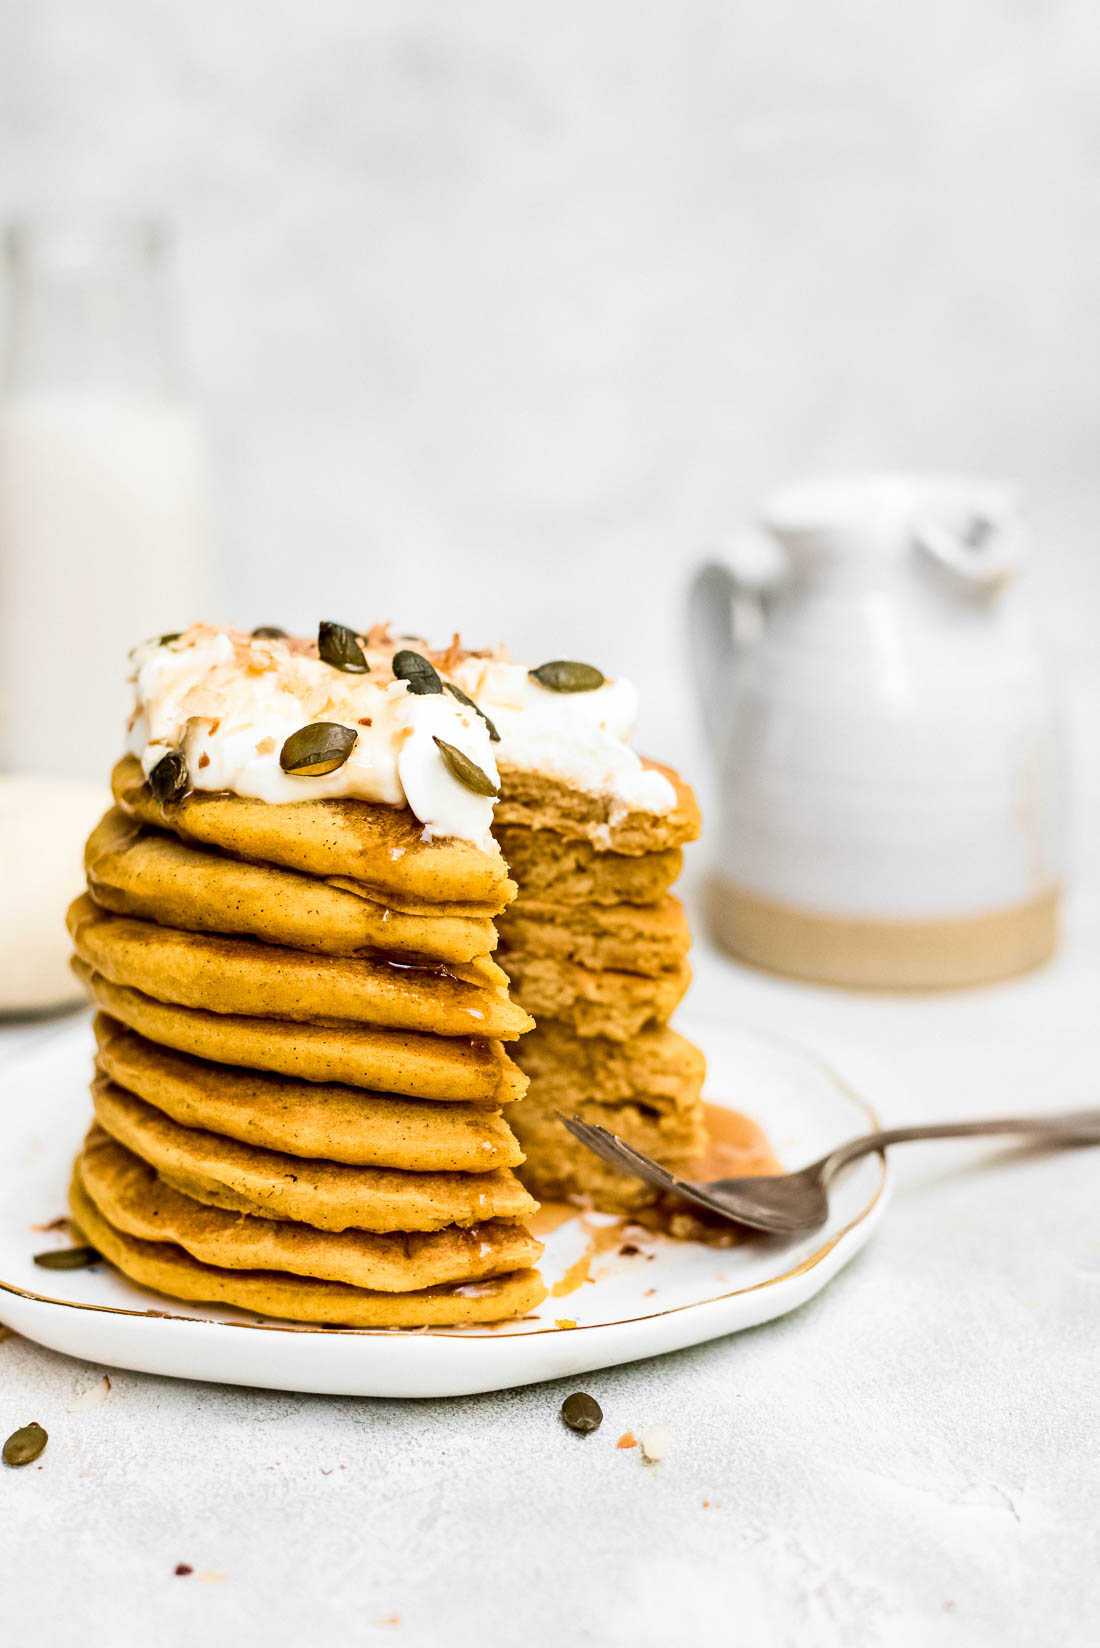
(165,639)
(414,668)
(466,771)
(24,1446)
(457,692)
(563,675)
(339,646)
(317,749)
(169,778)
(582,1413)
(68,1258)
(268,632)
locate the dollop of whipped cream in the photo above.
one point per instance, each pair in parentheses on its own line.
(228,701)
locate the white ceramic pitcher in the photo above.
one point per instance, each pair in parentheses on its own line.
(889,744)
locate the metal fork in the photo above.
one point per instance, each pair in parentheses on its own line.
(788,1204)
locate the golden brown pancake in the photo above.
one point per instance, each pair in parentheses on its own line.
(137,871)
(651,1067)
(319,1119)
(559,1168)
(607,1003)
(627,938)
(542,802)
(168,1269)
(646,1090)
(383,847)
(389,1061)
(548,866)
(242,975)
(128,1192)
(467,908)
(328,1195)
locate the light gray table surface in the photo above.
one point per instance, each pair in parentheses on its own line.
(911,1458)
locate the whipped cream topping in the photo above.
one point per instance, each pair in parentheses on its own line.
(228,701)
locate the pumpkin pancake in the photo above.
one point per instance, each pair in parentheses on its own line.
(628,938)
(559,1168)
(242,975)
(542,802)
(606,1003)
(651,1068)
(548,866)
(168,1269)
(646,1090)
(390,1061)
(137,871)
(469,909)
(129,1194)
(328,1195)
(384,847)
(318,1119)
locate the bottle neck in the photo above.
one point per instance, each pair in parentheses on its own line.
(88,311)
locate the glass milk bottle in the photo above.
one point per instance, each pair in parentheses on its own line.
(104,489)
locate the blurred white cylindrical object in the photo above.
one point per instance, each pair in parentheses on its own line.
(43,826)
(104,490)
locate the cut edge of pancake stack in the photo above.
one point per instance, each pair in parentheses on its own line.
(596,946)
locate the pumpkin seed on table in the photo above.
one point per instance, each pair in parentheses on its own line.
(414,669)
(68,1258)
(565,675)
(24,1445)
(169,779)
(457,692)
(466,771)
(339,646)
(582,1413)
(269,632)
(316,749)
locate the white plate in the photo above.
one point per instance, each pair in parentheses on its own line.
(671,1295)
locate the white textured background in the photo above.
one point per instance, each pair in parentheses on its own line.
(499,311)
(535,299)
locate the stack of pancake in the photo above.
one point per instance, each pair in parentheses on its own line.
(596,949)
(301,1064)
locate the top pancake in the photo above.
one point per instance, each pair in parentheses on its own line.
(541,802)
(383,847)
(138,871)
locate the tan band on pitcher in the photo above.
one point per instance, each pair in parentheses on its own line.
(882,955)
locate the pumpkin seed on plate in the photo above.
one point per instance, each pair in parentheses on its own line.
(268,632)
(317,749)
(565,675)
(582,1413)
(339,646)
(466,771)
(457,692)
(169,778)
(68,1258)
(24,1445)
(414,668)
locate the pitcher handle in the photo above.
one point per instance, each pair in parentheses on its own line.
(740,574)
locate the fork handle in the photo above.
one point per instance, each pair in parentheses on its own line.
(1074,1127)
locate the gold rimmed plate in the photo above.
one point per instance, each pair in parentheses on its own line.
(607,1306)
